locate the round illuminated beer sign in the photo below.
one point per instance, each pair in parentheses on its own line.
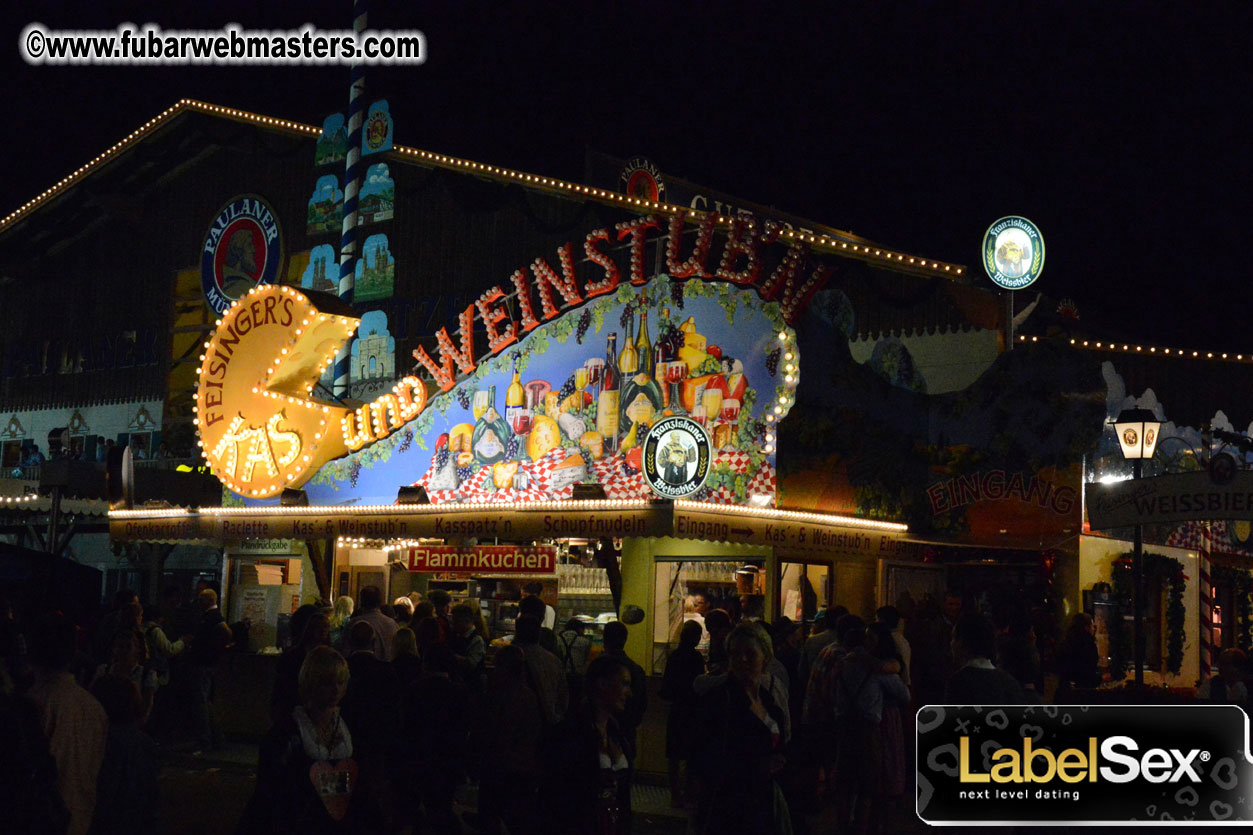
(1013,252)
(640,178)
(242,249)
(676,457)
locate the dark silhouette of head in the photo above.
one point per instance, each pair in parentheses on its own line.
(852,631)
(370,598)
(974,637)
(532,606)
(361,637)
(615,635)
(527,628)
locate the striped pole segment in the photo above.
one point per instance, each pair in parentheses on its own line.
(1205,556)
(352,184)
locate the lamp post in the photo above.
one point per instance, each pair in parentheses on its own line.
(1137,431)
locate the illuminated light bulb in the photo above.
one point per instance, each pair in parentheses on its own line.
(782,336)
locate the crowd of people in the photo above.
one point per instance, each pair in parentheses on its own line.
(27,462)
(381,712)
(81,709)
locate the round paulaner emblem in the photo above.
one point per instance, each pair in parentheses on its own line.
(242,249)
(676,457)
(1013,252)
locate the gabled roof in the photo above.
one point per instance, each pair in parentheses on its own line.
(843,244)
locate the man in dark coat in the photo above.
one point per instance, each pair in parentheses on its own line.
(978,681)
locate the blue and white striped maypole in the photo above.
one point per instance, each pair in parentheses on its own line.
(352,184)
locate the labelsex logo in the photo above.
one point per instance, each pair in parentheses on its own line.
(1039,765)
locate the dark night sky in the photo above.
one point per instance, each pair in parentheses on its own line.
(1122,129)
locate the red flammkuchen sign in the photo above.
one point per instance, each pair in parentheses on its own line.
(484,559)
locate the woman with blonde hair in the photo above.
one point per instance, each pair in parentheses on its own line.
(340,615)
(404,609)
(307,779)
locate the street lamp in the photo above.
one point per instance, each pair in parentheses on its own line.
(1137,431)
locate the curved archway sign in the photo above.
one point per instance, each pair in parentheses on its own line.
(714,344)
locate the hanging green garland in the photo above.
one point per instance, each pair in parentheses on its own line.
(1241,584)
(1160,571)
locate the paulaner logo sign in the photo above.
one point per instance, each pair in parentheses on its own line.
(242,249)
(1183,764)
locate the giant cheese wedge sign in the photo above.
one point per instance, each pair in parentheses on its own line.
(261,428)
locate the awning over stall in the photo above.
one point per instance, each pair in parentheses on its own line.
(789,531)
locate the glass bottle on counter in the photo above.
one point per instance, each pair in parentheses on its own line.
(607,402)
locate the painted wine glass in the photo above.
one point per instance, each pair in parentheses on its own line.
(676,373)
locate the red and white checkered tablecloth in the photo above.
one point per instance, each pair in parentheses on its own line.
(1192,536)
(610,471)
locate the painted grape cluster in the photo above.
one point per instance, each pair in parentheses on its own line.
(585,322)
(676,293)
(772,361)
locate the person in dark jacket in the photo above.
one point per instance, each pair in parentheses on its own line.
(505,744)
(468,646)
(615,638)
(978,681)
(1078,662)
(406,662)
(210,642)
(593,763)
(370,703)
(1018,656)
(682,668)
(434,728)
(29,793)
(310,628)
(741,748)
(127,799)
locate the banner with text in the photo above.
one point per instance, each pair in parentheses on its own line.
(1169,498)
(484,559)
